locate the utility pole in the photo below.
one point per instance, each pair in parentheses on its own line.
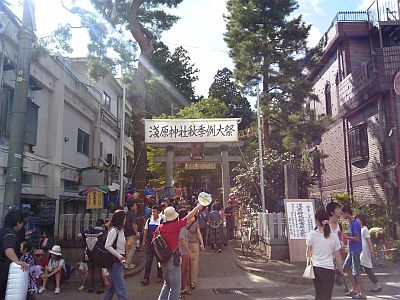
(260,150)
(122,148)
(12,195)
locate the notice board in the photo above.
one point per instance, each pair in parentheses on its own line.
(300,222)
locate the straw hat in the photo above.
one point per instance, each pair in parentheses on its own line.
(170,214)
(56,250)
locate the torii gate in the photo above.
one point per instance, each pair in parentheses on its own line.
(177,133)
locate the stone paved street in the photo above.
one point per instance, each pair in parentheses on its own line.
(218,271)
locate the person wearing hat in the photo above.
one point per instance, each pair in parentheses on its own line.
(55,270)
(169,230)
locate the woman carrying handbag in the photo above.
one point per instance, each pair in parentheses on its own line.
(322,248)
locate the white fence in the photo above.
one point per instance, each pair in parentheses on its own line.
(72,224)
(272,228)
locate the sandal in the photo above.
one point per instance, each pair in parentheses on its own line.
(192,285)
(186,292)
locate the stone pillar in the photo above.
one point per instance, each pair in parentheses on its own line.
(169,168)
(291,185)
(226,181)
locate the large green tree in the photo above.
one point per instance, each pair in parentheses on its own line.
(225,89)
(121,22)
(267,44)
(170,86)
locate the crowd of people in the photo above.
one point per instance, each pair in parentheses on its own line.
(187,227)
(326,247)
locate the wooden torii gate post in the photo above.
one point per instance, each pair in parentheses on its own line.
(224,159)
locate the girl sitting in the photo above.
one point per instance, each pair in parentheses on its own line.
(55,270)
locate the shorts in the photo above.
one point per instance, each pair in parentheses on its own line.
(353,261)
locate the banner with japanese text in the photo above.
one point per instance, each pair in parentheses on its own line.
(300,219)
(191,131)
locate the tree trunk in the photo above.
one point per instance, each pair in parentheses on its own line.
(145,40)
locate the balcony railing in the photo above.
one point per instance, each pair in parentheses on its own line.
(383,10)
(373,77)
(344,16)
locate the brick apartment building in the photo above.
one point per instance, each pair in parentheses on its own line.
(355,85)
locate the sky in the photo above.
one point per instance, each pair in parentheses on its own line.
(200,29)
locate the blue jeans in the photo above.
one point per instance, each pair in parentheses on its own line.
(172,280)
(117,283)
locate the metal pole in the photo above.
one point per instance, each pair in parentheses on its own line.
(260,150)
(122,148)
(12,194)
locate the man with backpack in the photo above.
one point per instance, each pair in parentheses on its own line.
(94,279)
(149,229)
(165,242)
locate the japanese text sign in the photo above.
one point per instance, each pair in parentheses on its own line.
(191,131)
(94,199)
(300,218)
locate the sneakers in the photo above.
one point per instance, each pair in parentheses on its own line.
(219,250)
(81,288)
(57,291)
(351,293)
(41,290)
(144,282)
(130,266)
(359,296)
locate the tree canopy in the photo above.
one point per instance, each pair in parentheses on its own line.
(225,89)
(268,45)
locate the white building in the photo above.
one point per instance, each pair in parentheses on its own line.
(72,131)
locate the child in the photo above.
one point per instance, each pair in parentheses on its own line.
(55,270)
(26,251)
(44,242)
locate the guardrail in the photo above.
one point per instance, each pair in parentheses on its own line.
(272,228)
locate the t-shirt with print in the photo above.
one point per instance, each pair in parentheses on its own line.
(183,236)
(151,226)
(131,219)
(323,249)
(355,229)
(365,256)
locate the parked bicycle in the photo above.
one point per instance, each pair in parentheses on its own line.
(249,231)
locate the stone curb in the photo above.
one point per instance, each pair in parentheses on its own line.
(273,275)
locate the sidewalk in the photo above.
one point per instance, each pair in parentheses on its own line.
(75,280)
(290,272)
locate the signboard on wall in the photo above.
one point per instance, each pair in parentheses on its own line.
(300,222)
(191,131)
(94,199)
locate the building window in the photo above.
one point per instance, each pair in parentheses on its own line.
(83,142)
(106,101)
(6,111)
(328,99)
(71,186)
(358,143)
